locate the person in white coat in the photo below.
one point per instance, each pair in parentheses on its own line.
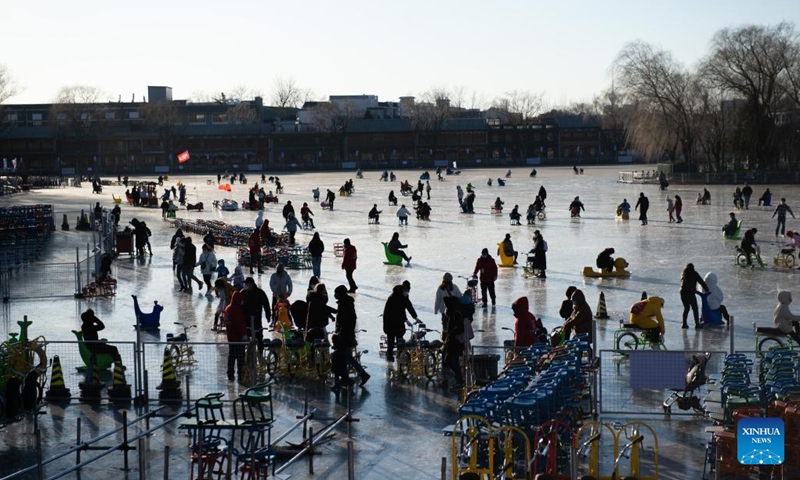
(784,319)
(446,289)
(715,296)
(260,218)
(208,265)
(402,214)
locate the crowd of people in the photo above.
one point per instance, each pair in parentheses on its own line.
(243,306)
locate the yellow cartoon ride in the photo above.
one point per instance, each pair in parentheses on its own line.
(620,266)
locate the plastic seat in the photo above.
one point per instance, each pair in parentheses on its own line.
(505,260)
(103,361)
(391,258)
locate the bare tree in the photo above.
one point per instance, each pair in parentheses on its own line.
(288,94)
(430,114)
(8,87)
(759,64)
(522,106)
(667,96)
(77,107)
(243,113)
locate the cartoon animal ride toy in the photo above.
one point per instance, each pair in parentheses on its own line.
(620,266)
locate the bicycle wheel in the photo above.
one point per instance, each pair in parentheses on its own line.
(541,215)
(270,362)
(627,341)
(789,261)
(430,365)
(741,260)
(766,343)
(404,363)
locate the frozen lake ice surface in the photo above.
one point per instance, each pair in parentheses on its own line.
(449,242)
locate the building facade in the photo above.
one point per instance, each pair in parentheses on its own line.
(146,137)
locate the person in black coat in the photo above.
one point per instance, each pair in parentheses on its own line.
(566,306)
(255,301)
(395,319)
(689,281)
(643,204)
(319,313)
(344,339)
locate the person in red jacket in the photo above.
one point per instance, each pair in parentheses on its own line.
(236,328)
(525,325)
(488,274)
(254,244)
(349,258)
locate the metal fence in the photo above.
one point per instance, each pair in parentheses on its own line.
(41,280)
(638,382)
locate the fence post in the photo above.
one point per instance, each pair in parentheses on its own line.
(77,271)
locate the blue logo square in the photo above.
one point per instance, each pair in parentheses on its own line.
(759,441)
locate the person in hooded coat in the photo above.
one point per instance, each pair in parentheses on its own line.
(783,319)
(715,296)
(395,319)
(566,306)
(236,330)
(580,321)
(525,325)
(345,336)
(646,315)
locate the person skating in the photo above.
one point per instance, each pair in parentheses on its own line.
(780,211)
(486,267)
(575,208)
(642,204)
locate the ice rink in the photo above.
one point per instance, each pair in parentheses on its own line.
(398,435)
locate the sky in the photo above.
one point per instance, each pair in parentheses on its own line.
(562,50)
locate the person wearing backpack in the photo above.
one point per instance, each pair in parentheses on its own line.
(539,251)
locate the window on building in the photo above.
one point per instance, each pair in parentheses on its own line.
(198,118)
(220,118)
(36,119)
(11,117)
(133,115)
(110,115)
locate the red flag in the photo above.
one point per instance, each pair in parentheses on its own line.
(225,186)
(183,157)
